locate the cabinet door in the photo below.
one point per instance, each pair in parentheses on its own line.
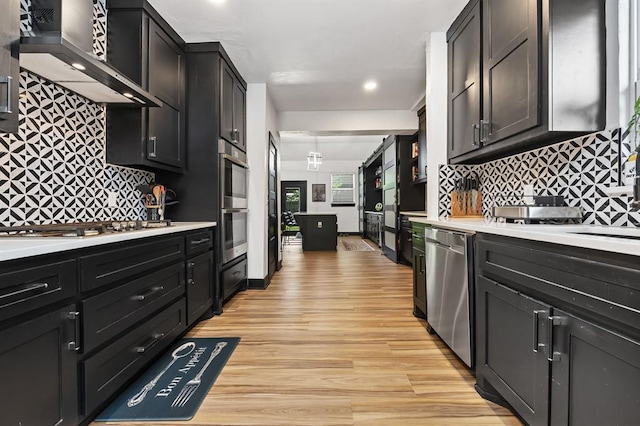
(389,198)
(38,359)
(596,380)
(419,285)
(510,65)
(511,357)
(9,67)
(200,286)
(226,103)
(422,145)
(239,124)
(165,143)
(464,85)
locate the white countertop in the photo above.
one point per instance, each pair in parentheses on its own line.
(415,214)
(558,234)
(19,247)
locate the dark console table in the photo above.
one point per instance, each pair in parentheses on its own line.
(319,231)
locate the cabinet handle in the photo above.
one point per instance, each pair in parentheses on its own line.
(7,79)
(485,128)
(423,264)
(28,288)
(153,150)
(154,338)
(74,345)
(144,296)
(191,281)
(191,264)
(235,134)
(476,132)
(552,355)
(536,316)
(200,241)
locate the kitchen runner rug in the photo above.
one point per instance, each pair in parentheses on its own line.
(175,385)
(355,245)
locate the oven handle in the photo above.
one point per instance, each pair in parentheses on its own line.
(235,210)
(235,160)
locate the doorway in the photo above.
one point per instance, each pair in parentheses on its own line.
(294,196)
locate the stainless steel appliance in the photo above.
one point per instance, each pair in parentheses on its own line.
(233,232)
(81,229)
(449,270)
(538,213)
(234,171)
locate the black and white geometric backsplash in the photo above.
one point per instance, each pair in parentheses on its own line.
(54,169)
(579,169)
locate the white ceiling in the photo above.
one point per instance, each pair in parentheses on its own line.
(332,148)
(315,55)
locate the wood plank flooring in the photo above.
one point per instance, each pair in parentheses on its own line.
(333,341)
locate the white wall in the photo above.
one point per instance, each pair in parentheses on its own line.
(350,122)
(297,170)
(436,109)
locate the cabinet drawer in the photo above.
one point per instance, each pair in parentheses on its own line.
(199,242)
(234,279)
(107,371)
(109,313)
(25,289)
(111,266)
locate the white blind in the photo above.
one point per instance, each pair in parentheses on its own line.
(342,188)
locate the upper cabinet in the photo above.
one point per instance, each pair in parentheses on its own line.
(9,65)
(142,45)
(232,108)
(522,74)
(419,174)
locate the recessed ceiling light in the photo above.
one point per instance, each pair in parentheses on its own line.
(78,66)
(370,85)
(217,1)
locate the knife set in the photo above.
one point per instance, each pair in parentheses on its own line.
(466,198)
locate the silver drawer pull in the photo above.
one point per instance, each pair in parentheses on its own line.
(6,109)
(144,296)
(154,338)
(27,289)
(74,345)
(200,241)
(153,149)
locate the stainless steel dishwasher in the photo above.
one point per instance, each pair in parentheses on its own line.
(449,271)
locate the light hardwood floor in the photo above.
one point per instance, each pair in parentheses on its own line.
(333,341)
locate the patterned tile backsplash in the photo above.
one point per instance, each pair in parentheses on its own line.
(579,169)
(54,169)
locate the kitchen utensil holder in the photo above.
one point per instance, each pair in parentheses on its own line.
(153,213)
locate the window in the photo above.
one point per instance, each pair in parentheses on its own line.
(342,189)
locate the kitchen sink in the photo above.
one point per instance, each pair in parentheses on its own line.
(600,234)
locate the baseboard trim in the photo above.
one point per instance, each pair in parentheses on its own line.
(257,284)
(347,234)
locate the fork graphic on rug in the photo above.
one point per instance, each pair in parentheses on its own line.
(192,385)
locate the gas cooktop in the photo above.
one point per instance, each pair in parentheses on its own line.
(81,229)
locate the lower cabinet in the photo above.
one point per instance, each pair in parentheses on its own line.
(558,332)
(38,369)
(200,286)
(419,285)
(233,279)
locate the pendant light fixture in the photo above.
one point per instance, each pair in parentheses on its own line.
(314,159)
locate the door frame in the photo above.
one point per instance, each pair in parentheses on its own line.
(302,185)
(272,216)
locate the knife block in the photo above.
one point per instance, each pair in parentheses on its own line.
(462,204)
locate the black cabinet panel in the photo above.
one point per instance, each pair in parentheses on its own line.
(108,371)
(165,136)
(511,358)
(200,286)
(165,76)
(38,368)
(107,267)
(110,313)
(27,287)
(596,380)
(422,146)
(9,65)
(239,123)
(199,242)
(226,104)
(419,284)
(233,279)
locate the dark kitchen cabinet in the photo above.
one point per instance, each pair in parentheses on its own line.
(419,271)
(147,50)
(420,175)
(232,108)
(523,74)
(509,357)
(557,331)
(39,372)
(200,286)
(9,66)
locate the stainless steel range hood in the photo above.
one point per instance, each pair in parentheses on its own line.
(60,49)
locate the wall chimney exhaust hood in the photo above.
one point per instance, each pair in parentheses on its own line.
(60,48)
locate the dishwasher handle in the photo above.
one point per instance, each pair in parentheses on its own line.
(456,249)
